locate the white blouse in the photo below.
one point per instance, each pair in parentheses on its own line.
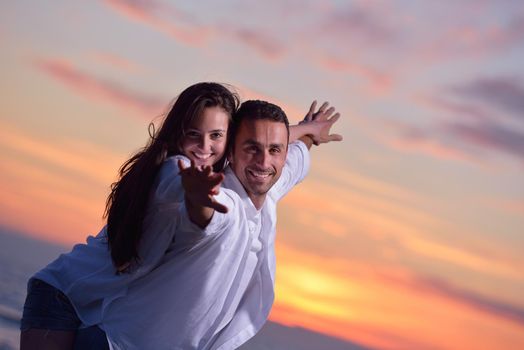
(87,274)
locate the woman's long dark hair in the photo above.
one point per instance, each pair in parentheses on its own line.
(127,203)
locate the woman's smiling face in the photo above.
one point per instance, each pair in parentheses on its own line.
(205,139)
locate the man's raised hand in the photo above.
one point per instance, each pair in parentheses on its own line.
(320,123)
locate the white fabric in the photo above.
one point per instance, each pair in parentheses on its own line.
(87,274)
(214,287)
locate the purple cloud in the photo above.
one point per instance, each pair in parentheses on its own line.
(472,299)
(506,94)
(441,288)
(490,136)
(360,25)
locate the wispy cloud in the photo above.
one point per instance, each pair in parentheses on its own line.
(153,14)
(500,93)
(381,215)
(469,123)
(179,25)
(439,287)
(116,61)
(89,86)
(361,25)
(489,136)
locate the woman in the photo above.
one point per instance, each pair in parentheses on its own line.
(74,290)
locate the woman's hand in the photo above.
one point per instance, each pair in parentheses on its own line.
(201,184)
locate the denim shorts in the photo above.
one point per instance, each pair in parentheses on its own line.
(46,307)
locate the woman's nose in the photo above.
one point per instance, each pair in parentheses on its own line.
(204,143)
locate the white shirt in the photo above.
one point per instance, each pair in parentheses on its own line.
(213,288)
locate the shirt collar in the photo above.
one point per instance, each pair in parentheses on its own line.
(232,182)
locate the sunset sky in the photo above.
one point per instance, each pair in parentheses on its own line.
(409,234)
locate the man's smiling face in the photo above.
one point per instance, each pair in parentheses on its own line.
(258,156)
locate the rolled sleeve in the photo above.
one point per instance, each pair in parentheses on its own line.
(295,169)
(218,223)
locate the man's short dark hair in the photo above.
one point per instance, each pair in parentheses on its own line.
(257,110)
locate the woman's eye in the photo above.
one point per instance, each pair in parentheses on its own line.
(192,134)
(216,135)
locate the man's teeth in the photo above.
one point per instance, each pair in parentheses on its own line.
(258,174)
(202,156)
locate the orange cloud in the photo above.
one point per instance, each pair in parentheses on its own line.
(381,306)
(54,190)
(387,214)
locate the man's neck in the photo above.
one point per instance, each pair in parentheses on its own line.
(257,200)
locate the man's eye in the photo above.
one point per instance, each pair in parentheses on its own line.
(251,149)
(274,150)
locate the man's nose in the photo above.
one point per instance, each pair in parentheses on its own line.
(263,159)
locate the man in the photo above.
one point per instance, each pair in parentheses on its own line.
(221,269)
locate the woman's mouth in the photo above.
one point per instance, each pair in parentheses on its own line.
(202,156)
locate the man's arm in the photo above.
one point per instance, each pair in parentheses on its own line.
(200,187)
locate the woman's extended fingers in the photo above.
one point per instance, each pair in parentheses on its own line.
(182,166)
(311,112)
(221,208)
(215,179)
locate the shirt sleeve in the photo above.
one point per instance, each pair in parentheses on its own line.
(189,231)
(162,217)
(168,186)
(294,171)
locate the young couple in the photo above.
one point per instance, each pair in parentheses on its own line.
(186,260)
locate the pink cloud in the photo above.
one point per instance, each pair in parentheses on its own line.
(101,90)
(459,39)
(509,205)
(380,82)
(146,12)
(188,31)
(430,147)
(266,45)
(116,61)
(293,112)
(360,24)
